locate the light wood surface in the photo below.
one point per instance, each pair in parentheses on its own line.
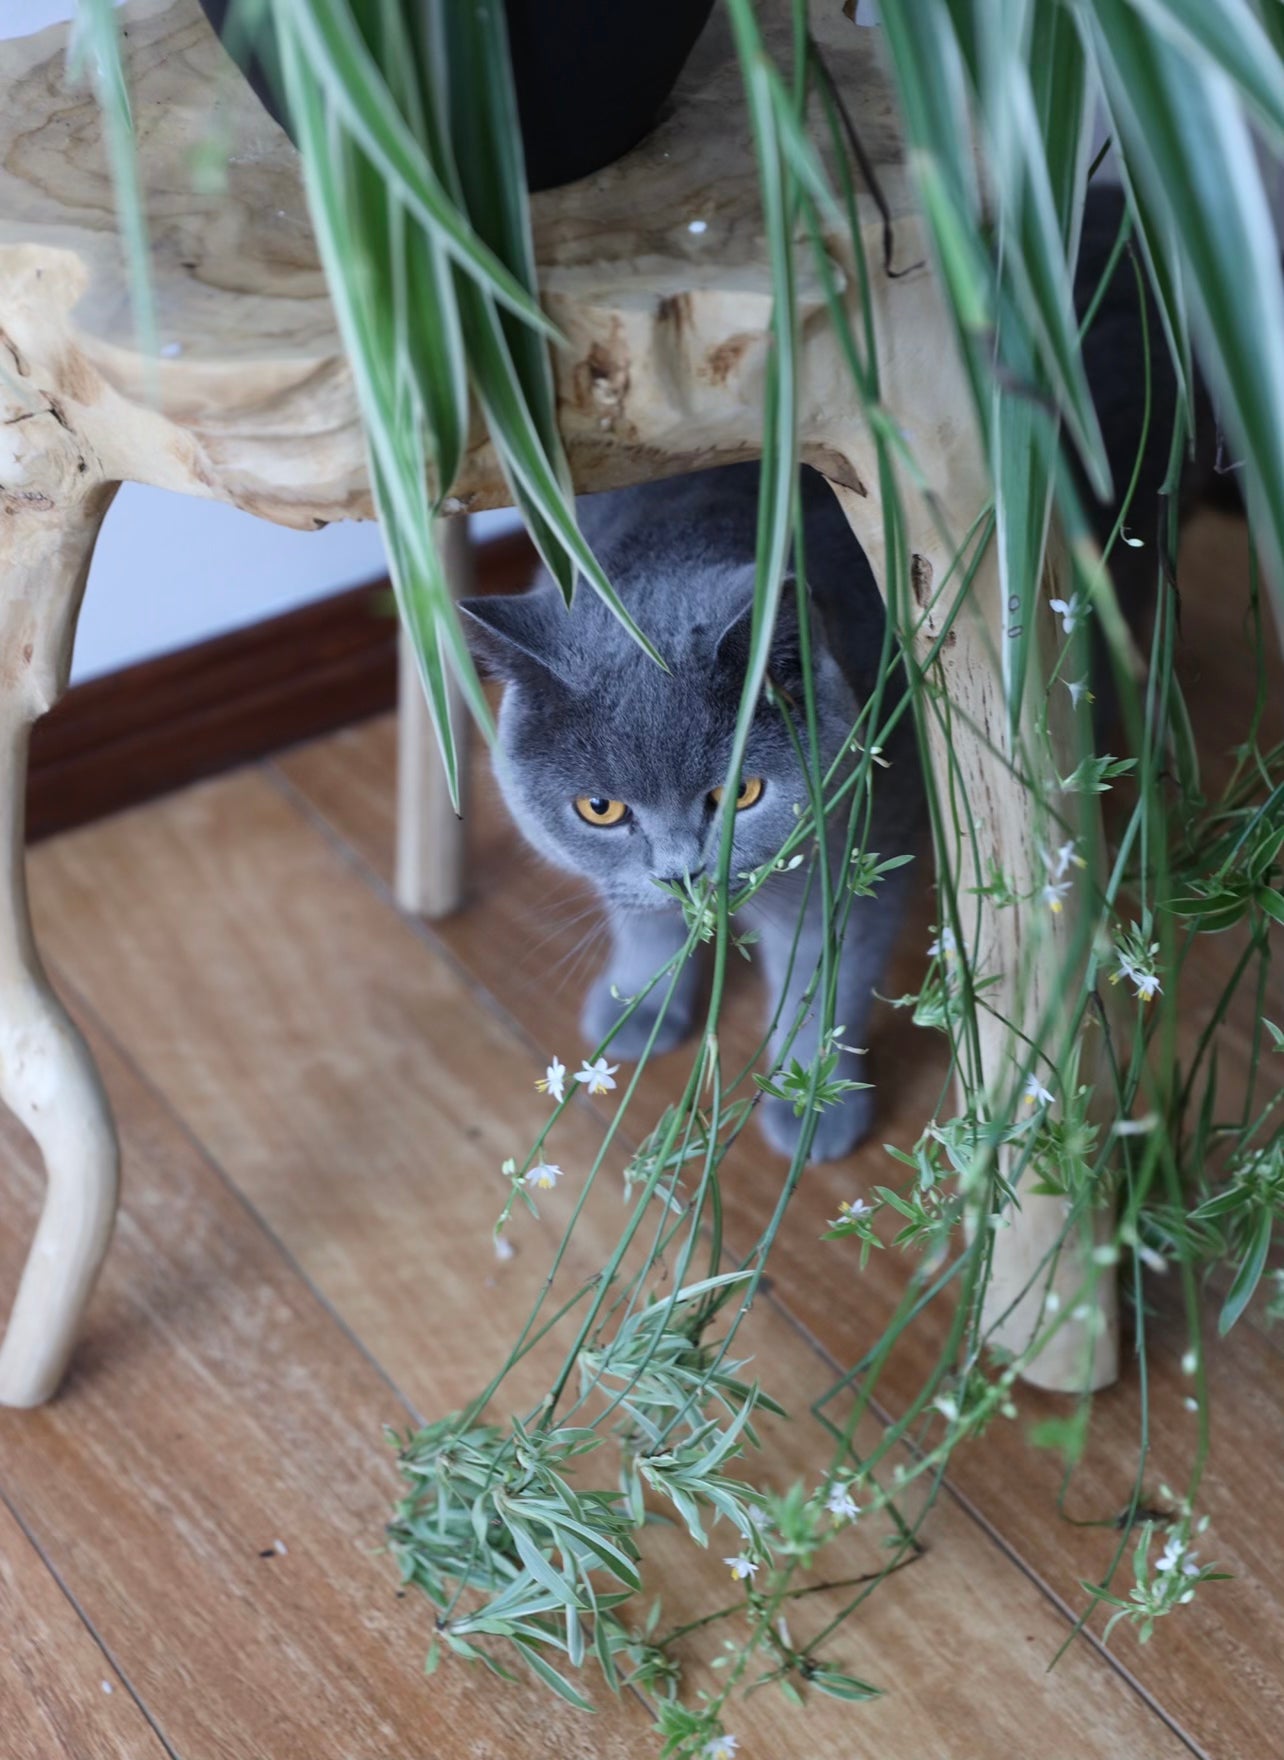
(357,1087)
(219,1408)
(532,949)
(59,1693)
(310,1091)
(47,1078)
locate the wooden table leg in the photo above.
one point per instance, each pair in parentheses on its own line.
(430,836)
(47,1076)
(1039,1278)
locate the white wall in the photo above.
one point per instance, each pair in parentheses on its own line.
(170,570)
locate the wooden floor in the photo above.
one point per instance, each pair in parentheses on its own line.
(315,1096)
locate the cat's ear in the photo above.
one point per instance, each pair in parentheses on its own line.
(512,637)
(784,667)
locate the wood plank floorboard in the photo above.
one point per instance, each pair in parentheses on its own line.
(519,938)
(361,1093)
(216,1409)
(60,1696)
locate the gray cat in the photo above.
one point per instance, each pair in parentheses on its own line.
(611,767)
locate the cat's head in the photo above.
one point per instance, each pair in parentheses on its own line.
(611,766)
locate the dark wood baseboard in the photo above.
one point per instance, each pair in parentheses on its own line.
(122,739)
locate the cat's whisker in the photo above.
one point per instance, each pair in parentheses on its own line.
(562,926)
(570,967)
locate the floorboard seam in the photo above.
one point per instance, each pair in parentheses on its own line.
(423,932)
(987,1527)
(104,1650)
(84,1006)
(69,990)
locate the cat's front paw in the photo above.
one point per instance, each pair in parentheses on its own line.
(602,1011)
(839,1128)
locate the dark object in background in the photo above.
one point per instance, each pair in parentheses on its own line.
(591,75)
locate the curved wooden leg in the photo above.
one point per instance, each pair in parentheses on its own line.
(1043,1277)
(47,1076)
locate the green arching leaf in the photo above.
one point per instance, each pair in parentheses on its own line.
(1166,279)
(340,62)
(836,1685)
(1060,90)
(96,44)
(1231,35)
(486,142)
(1189,146)
(549,1675)
(1023,449)
(1249,1274)
(1270,901)
(1036,225)
(540,1568)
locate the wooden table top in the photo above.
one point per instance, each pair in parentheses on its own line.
(665,325)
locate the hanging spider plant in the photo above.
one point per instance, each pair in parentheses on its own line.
(406,124)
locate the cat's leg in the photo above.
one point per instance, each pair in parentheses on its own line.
(47,1075)
(791,956)
(641,943)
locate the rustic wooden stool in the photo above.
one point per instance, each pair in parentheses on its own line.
(656,271)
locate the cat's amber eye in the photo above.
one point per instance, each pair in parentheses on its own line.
(750,791)
(595,809)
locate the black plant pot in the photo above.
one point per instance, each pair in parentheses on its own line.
(591,75)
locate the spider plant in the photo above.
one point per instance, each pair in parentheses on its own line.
(406,126)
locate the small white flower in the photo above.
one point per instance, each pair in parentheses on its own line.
(1150,1258)
(504,1248)
(720,1748)
(543,1174)
(1175,1557)
(553,1081)
(742,1566)
(1147,983)
(1078,688)
(1052,1302)
(1189,1363)
(1053,893)
(599,1077)
(841,1505)
(1036,1094)
(698,226)
(1192,1405)
(1069,611)
(945,946)
(851,1212)
(948,1407)
(1063,858)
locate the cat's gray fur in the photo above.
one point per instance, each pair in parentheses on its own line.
(585,712)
